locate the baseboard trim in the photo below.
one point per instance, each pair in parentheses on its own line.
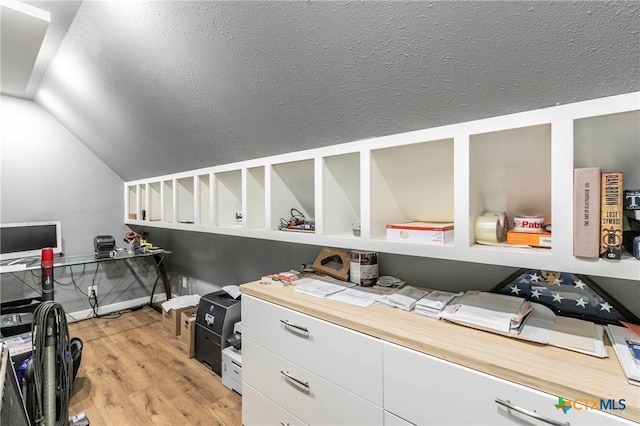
(114,307)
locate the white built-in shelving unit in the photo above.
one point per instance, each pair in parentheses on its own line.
(519,163)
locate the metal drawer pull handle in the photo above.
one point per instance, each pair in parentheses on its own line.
(507,403)
(284,424)
(297,327)
(299,382)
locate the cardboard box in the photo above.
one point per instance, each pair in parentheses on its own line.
(533,239)
(423,232)
(188,331)
(171,319)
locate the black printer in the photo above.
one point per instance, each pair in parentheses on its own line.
(217,314)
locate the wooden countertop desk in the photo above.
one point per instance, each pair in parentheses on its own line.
(549,369)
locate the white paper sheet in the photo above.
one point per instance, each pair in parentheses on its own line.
(318,288)
(181,302)
(355,297)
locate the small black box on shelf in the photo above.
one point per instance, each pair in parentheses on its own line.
(631,199)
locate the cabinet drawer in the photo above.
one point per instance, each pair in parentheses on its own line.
(347,358)
(426,390)
(304,394)
(257,409)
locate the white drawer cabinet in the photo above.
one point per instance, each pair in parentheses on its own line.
(426,390)
(349,359)
(307,396)
(257,409)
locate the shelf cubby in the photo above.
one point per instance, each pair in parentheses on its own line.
(185,204)
(132,202)
(142,206)
(256,200)
(228,197)
(341,194)
(611,142)
(204,199)
(154,212)
(168,201)
(292,187)
(510,171)
(411,183)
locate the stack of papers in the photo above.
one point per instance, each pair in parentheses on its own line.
(362,296)
(434,302)
(487,310)
(500,313)
(404,298)
(319,288)
(624,341)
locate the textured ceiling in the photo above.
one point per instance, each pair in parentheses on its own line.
(159,87)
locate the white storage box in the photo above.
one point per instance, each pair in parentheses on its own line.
(423,232)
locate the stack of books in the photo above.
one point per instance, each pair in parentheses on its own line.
(434,302)
(598,213)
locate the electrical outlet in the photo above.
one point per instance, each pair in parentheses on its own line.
(93,288)
(184,282)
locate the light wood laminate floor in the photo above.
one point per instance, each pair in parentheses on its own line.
(133,372)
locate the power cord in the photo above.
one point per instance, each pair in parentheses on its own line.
(93,302)
(93,297)
(296,219)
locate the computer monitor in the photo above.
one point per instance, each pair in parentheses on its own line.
(23,240)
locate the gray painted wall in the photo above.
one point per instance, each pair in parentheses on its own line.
(211,261)
(48,174)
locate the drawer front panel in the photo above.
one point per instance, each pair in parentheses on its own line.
(304,394)
(427,390)
(257,410)
(231,369)
(347,358)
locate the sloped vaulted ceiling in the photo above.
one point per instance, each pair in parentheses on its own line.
(159,87)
